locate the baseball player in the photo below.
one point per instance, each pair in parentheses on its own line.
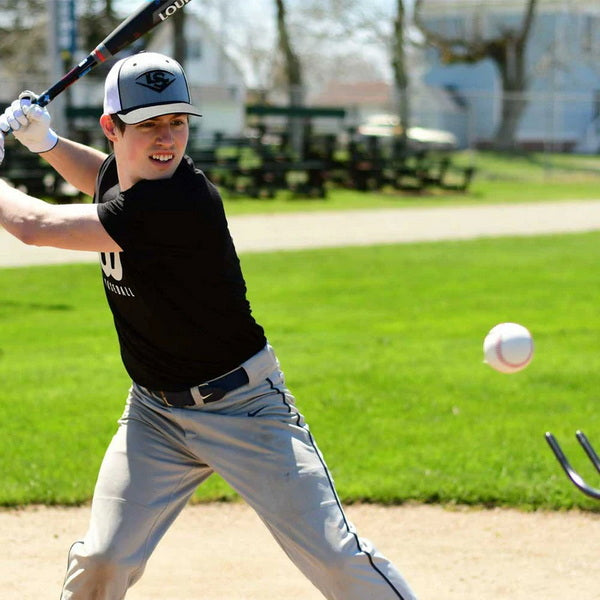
(207,392)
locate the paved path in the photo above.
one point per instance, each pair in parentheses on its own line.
(257,233)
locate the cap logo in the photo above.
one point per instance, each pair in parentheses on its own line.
(158,81)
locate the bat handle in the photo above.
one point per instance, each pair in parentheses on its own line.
(86,65)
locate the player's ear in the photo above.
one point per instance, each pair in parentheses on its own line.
(108,127)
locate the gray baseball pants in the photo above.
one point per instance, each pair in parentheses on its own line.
(256,439)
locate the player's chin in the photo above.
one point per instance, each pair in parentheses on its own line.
(163,167)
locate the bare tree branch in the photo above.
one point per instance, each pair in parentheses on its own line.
(508,52)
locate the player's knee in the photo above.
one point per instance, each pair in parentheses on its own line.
(105,566)
(344,562)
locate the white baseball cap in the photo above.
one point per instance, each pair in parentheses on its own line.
(147,85)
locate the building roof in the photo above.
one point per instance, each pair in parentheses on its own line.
(362,93)
(379,94)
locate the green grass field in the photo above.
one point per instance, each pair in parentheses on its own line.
(382,348)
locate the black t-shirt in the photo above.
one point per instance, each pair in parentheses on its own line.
(176,291)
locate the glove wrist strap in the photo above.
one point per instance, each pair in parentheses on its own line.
(47,144)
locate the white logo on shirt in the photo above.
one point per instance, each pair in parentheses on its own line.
(113,269)
(111,265)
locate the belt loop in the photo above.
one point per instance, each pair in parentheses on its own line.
(164,398)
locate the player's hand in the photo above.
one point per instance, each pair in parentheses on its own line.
(29,123)
(1,147)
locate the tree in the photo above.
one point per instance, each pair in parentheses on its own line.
(23,41)
(179,44)
(291,62)
(380,26)
(401,80)
(293,76)
(507,50)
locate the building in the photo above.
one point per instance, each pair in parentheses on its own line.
(563,52)
(430,107)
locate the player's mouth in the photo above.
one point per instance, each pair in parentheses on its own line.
(162,158)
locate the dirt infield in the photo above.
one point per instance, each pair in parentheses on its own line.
(293,231)
(223,552)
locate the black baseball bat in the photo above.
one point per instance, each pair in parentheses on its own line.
(145,18)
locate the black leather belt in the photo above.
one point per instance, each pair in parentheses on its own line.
(211,391)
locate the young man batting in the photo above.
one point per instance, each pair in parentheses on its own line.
(207,393)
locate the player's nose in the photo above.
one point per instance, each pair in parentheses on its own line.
(164,135)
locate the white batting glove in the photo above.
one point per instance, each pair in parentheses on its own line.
(1,147)
(29,123)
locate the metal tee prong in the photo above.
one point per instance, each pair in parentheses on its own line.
(589,449)
(572,474)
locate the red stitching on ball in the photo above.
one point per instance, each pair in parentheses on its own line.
(503,360)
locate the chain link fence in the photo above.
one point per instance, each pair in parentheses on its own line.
(550,122)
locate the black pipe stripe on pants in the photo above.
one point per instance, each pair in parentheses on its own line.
(338,502)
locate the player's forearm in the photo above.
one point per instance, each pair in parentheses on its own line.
(17,210)
(77,163)
(38,223)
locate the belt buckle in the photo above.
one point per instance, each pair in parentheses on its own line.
(199,398)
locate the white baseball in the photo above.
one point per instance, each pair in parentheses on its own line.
(508,347)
